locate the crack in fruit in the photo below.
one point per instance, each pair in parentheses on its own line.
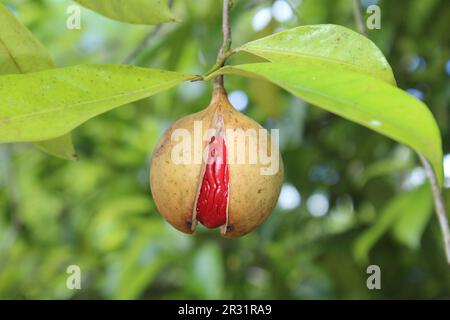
(212,201)
(214,189)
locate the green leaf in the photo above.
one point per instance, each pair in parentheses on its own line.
(21,52)
(366,100)
(47,104)
(132,11)
(329,43)
(407,213)
(61,147)
(397,162)
(412,221)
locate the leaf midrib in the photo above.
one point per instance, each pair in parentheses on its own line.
(59,108)
(9,53)
(320,58)
(343,101)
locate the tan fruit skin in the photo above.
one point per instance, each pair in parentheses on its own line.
(252,196)
(174,186)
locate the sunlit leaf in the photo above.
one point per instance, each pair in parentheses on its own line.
(366,100)
(48,104)
(132,11)
(266,95)
(21,52)
(329,43)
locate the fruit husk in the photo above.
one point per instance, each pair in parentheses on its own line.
(175,187)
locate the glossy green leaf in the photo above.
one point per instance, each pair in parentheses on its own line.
(21,52)
(47,104)
(132,11)
(355,96)
(410,209)
(329,43)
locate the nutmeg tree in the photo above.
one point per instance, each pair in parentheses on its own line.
(328,66)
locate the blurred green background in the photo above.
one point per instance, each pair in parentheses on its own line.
(351,197)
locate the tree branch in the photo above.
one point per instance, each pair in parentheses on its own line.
(143,44)
(224,51)
(358,17)
(439,204)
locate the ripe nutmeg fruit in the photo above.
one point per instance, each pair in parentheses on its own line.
(217,167)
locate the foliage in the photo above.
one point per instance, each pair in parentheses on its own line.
(136,11)
(46,105)
(97,212)
(21,52)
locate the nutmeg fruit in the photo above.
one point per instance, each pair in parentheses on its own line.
(217,167)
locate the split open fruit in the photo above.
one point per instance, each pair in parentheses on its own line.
(217,167)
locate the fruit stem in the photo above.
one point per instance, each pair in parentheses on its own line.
(439,205)
(224,51)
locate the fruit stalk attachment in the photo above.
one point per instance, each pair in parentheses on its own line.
(224,51)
